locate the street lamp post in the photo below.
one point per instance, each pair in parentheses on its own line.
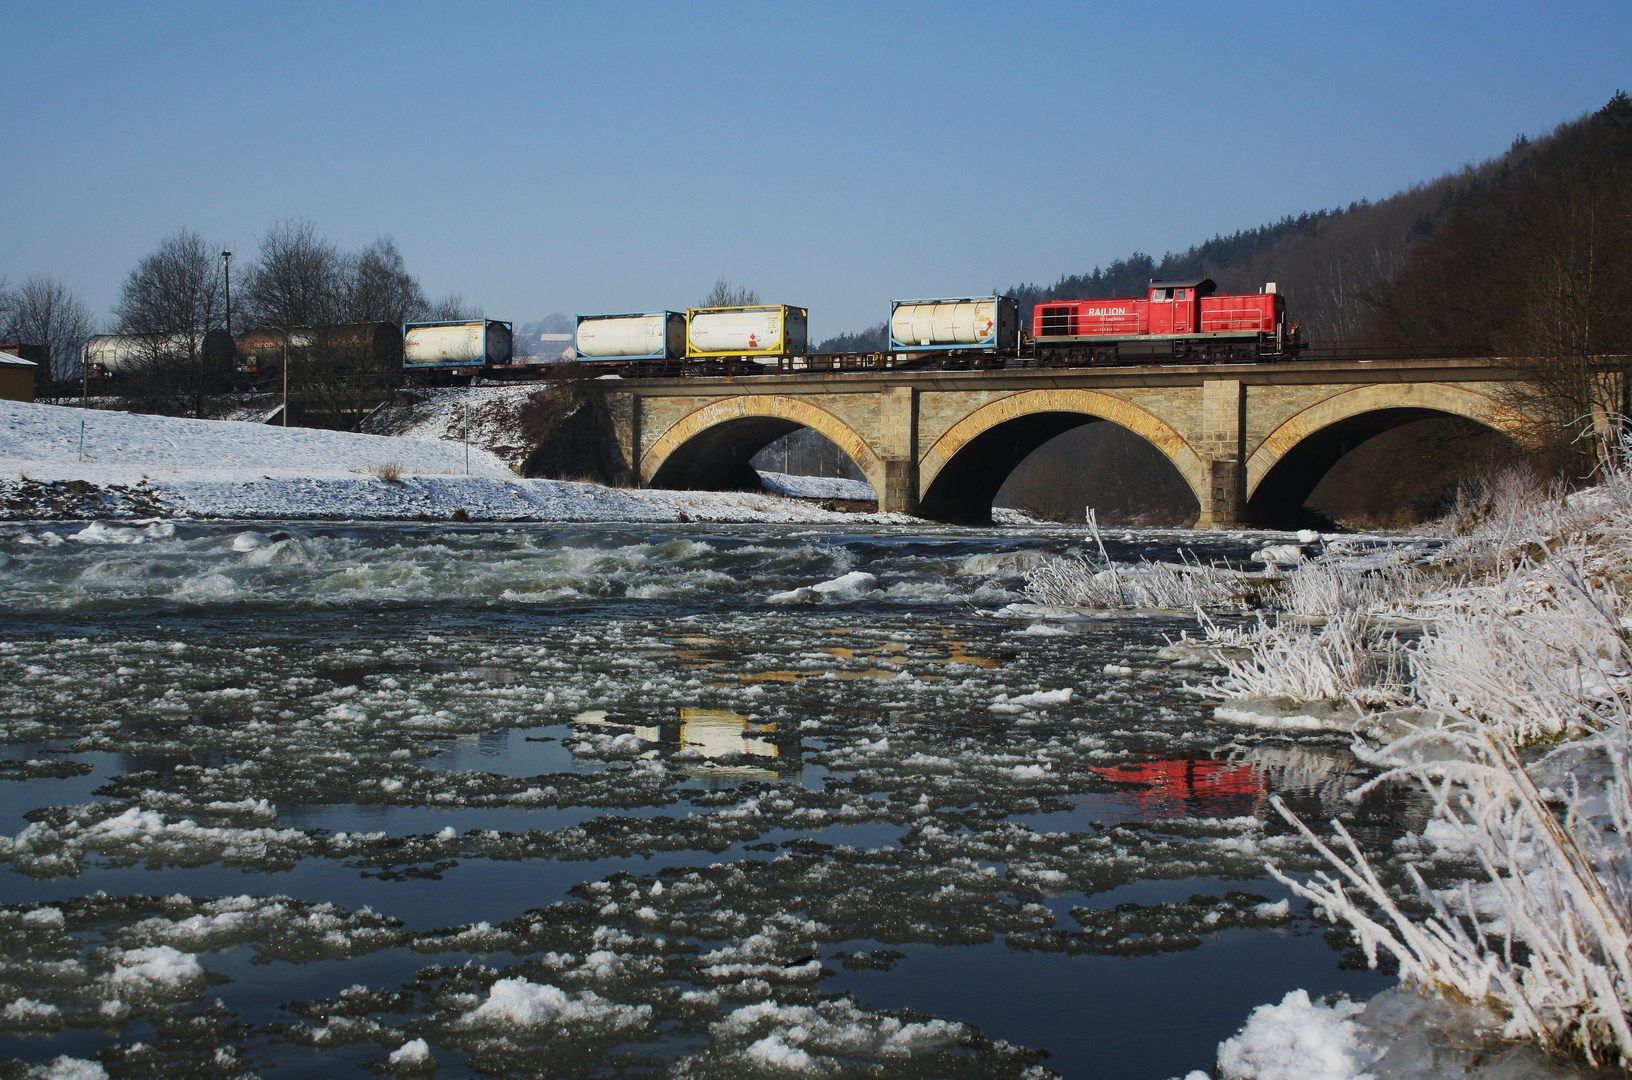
(286,376)
(226,268)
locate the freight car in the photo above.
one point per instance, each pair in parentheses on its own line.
(108,355)
(366,346)
(1175,319)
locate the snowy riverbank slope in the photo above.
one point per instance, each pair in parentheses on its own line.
(138,465)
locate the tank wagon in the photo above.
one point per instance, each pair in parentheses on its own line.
(970,322)
(758,331)
(372,345)
(1174,318)
(458,347)
(646,335)
(108,355)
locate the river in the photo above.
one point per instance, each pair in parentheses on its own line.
(590,801)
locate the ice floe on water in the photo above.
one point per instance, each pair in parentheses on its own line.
(593,798)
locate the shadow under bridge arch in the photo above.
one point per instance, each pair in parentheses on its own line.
(961,473)
(1291,461)
(709,449)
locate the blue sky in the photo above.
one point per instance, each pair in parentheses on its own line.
(593,157)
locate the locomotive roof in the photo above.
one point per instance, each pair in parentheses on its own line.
(1205,285)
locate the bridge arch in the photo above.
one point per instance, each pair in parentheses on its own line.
(1285,467)
(961,472)
(709,448)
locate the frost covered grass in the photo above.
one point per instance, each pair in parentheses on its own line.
(1524,647)
(1079,581)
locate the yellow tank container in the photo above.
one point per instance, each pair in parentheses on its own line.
(761,330)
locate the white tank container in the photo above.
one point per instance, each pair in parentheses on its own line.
(945,322)
(480,341)
(654,334)
(464,343)
(745,331)
(121,352)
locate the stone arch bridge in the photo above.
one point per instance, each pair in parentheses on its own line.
(1252,440)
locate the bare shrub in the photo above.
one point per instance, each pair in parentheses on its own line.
(390,472)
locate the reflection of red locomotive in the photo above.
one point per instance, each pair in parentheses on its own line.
(1176,318)
(1182,787)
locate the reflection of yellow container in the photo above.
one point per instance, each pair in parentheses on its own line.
(716,733)
(761,330)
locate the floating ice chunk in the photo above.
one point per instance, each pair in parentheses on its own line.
(1284,714)
(1296,1040)
(851,586)
(67,1068)
(45,916)
(100,532)
(26,1011)
(1042,697)
(1001,562)
(771,1051)
(1117,669)
(160,965)
(522,1004)
(1042,630)
(1308,536)
(1280,555)
(414,1054)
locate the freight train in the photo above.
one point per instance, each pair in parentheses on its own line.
(1174,321)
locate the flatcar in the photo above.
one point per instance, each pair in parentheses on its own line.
(1174,319)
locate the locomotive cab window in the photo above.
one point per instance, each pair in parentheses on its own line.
(1178,294)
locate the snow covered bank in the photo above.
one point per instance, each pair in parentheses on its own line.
(142,466)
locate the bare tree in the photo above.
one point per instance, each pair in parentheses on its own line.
(378,288)
(298,280)
(41,311)
(451,308)
(724,294)
(175,299)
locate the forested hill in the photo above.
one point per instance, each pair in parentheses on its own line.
(1335,266)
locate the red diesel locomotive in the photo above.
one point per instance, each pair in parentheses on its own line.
(1176,318)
